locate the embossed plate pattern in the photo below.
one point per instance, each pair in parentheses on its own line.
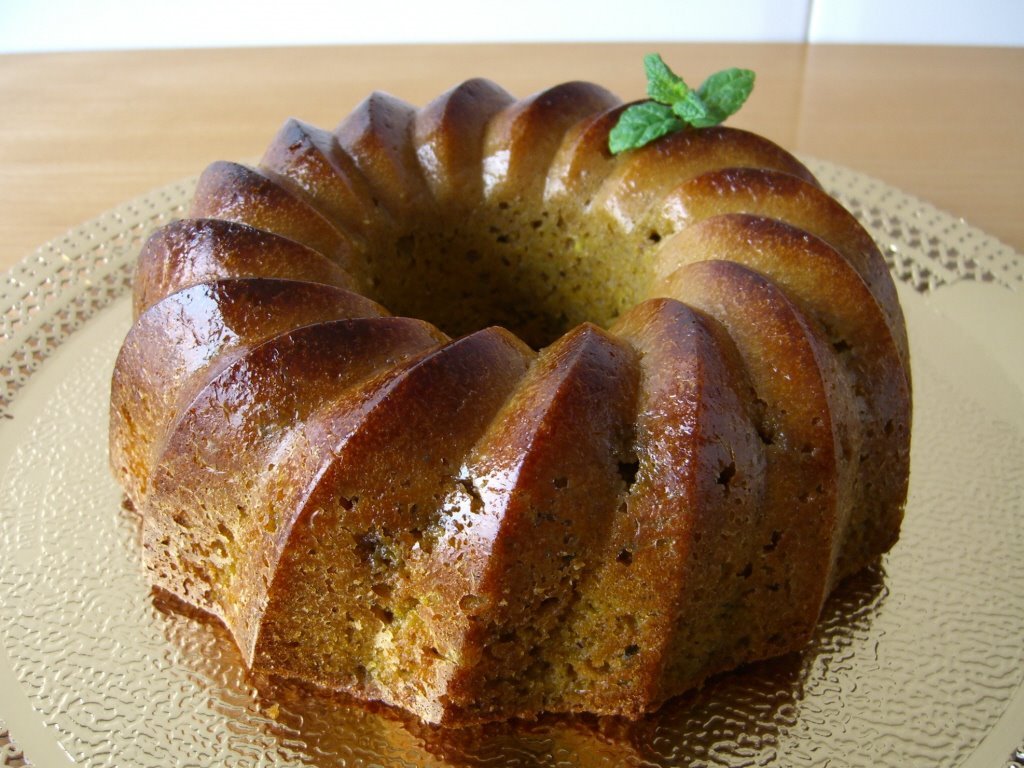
(917,662)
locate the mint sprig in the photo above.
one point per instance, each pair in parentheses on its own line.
(674,105)
(663,85)
(641,124)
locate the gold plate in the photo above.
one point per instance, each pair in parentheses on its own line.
(919,661)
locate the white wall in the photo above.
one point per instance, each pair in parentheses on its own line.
(942,22)
(47,25)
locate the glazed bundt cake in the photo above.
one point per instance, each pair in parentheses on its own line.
(332,418)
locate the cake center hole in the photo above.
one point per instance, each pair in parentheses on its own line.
(537,273)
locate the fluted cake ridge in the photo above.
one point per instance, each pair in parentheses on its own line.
(454,409)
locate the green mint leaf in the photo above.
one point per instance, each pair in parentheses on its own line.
(693,111)
(663,85)
(674,105)
(724,92)
(641,124)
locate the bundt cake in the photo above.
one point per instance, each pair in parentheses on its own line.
(338,449)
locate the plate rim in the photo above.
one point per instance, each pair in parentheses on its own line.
(108,276)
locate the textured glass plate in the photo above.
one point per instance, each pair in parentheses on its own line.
(919,661)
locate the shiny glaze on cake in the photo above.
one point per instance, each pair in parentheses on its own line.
(453,409)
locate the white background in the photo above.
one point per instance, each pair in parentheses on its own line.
(49,25)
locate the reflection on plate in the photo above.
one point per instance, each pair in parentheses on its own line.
(917,661)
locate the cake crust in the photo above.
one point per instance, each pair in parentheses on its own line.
(454,409)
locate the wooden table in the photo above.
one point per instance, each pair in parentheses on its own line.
(82,132)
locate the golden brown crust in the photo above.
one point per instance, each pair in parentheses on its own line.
(783,196)
(235,192)
(643,177)
(810,437)
(469,530)
(522,138)
(183,340)
(192,251)
(583,159)
(685,551)
(545,482)
(310,162)
(448,135)
(827,288)
(369,509)
(216,516)
(378,136)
